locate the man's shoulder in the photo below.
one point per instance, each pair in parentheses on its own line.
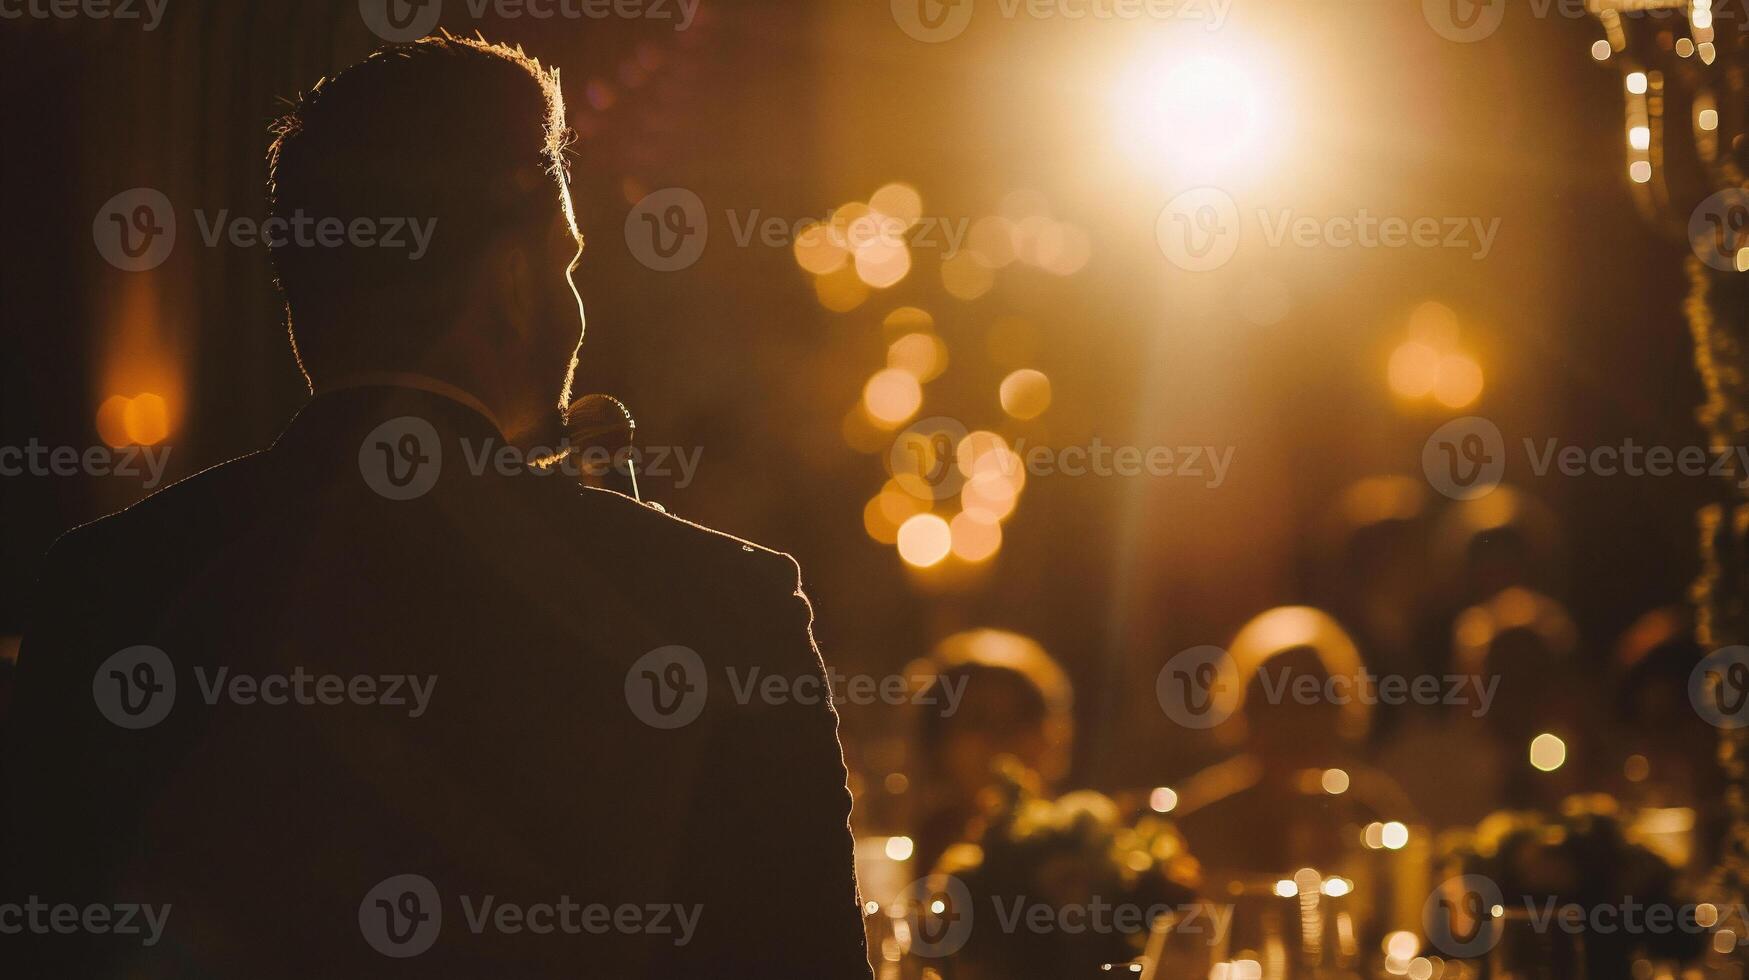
(646,533)
(175,516)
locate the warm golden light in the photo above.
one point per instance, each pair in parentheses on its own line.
(1547,752)
(1334,782)
(1413,369)
(1600,50)
(817,251)
(1194,111)
(1394,836)
(1162,800)
(1460,381)
(900,201)
(877,524)
(1636,82)
(840,291)
(1025,394)
(1640,171)
(892,396)
(883,262)
(964,277)
(991,241)
(991,494)
(908,319)
(900,848)
(923,355)
(976,535)
(924,540)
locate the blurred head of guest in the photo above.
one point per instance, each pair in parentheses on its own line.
(1503,540)
(1662,751)
(1304,685)
(1525,644)
(1376,547)
(992,696)
(1288,799)
(421,228)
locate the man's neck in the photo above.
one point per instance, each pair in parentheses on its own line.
(414,380)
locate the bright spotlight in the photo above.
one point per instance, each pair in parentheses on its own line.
(1194,112)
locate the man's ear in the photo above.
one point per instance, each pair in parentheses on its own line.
(513,285)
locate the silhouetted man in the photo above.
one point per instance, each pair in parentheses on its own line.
(370,703)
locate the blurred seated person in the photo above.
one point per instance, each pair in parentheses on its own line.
(1661,763)
(1108,884)
(992,696)
(1504,540)
(1374,552)
(1298,793)
(1472,754)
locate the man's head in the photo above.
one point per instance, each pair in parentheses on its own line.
(424,224)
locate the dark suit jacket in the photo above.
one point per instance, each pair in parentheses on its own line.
(531,779)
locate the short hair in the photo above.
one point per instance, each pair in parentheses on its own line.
(462,135)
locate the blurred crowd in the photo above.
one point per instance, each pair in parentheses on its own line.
(1438,723)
